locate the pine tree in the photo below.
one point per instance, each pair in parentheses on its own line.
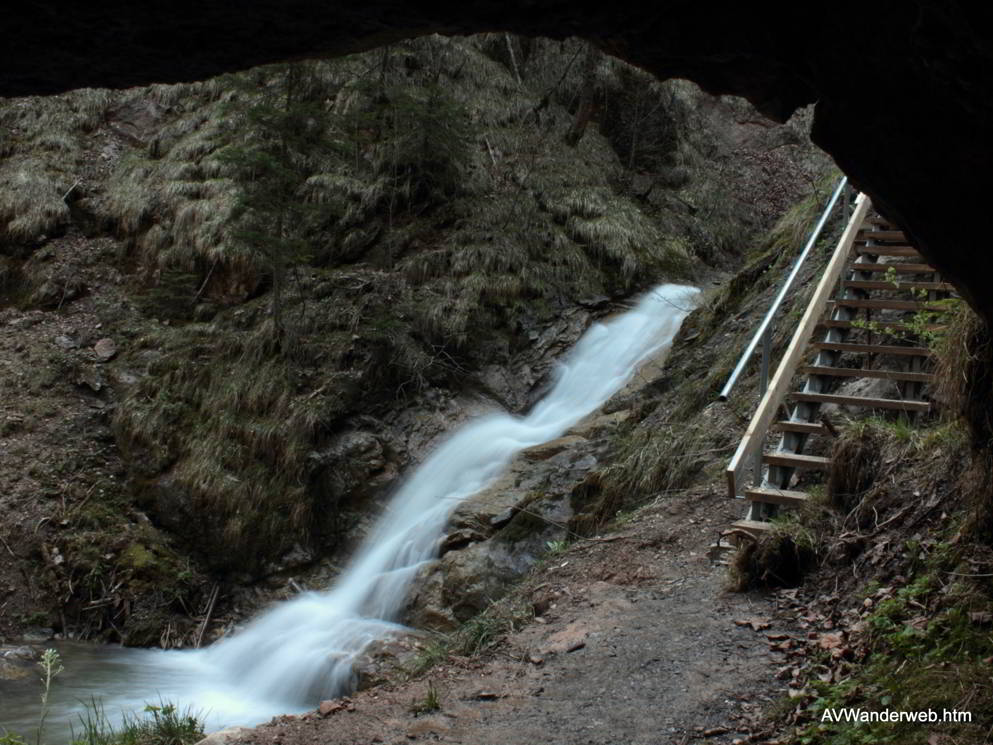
(283,133)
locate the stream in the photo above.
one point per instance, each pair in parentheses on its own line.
(301,651)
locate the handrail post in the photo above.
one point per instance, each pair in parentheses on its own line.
(763,386)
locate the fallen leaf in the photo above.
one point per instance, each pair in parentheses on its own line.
(830,641)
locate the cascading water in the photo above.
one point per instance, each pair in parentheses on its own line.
(303,649)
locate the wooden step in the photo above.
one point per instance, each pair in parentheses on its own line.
(795,460)
(807,428)
(873,284)
(776,496)
(872,348)
(884,304)
(869,403)
(908,251)
(880,221)
(854,372)
(865,266)
(755,527)
(882,235)
(875,326)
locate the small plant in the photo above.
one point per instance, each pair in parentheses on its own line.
(556,547)
(428,655)
(430,702)
(51,666)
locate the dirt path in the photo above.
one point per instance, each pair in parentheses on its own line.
(635,642)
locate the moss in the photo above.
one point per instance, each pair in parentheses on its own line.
(137,557)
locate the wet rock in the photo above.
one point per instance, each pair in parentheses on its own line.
(458,540)
(479,511)
(463,583)
(12,671)
(18,653)
(383,658)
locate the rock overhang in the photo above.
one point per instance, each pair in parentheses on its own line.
(903,90)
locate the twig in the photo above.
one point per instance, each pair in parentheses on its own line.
(205,281)
(72,188)
(206,618)
(7,546)
(513,57)
(489,150)
(966,574)
(829,426)
(546,99)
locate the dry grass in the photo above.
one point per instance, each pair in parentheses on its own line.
(661,457)
(779,558)
(41,158)
(965,392)
(855,462)
(965,373)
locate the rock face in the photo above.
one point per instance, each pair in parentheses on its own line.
(497,535)
(902,90)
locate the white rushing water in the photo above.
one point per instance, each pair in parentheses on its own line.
(302,650)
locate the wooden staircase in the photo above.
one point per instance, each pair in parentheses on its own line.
(855,347)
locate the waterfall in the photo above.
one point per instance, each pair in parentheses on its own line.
(301,650)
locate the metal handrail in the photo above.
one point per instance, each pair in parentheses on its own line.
(751,446)
(762,334)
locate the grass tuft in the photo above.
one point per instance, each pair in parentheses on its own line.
(158,724)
